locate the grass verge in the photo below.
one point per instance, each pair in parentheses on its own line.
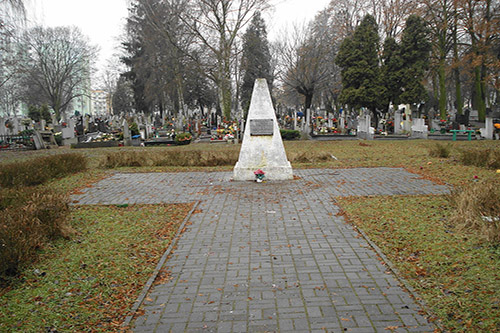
(91,281)
(457,275)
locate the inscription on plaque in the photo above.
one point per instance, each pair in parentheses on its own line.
(261,127)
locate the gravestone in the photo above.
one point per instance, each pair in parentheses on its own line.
(306,125)
(398,129)
(262,146)
(86,121)
(16,126)
(419,130)
(3,128)
(487,132)
(407,119)
(474,115)
(365,131)
(127,138)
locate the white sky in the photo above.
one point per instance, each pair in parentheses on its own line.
(103,20)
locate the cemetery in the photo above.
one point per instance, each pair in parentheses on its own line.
(216,175)
(136,130)
(218,197)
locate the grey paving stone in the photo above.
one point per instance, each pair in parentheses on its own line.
(271,256)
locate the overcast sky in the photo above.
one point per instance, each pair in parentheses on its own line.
(102,20)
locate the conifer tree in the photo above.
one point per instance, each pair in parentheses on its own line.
(391,71)
(358,57)
(256,60)
(415,48)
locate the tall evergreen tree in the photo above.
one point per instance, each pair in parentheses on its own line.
(391,71)
(256,60)
(415,48)
(358,57)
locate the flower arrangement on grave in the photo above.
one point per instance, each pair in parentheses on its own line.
(183,138)
(259,175)
(497,127)
(228,136)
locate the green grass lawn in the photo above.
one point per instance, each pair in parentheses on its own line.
(456,275)
(92,279)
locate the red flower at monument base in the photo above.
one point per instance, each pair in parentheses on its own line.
(259,172)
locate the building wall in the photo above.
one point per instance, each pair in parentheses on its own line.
(100,102)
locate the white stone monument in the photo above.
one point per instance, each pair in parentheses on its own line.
(419,130)
(127,138)
(364,130)
(488,130)
(262,146)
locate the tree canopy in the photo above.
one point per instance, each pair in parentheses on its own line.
(358,57)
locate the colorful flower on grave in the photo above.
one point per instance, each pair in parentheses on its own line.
(259,174)
(497,126)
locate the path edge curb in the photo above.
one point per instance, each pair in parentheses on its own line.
(154,275)
(416,297)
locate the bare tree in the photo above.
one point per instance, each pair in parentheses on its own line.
(217,25)
(59,62)
(303,55)
(481,21)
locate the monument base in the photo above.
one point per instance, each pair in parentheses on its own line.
(271,173)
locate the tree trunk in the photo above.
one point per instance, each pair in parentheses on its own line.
(308,103)
(442,88)
(479,94)
(458,86)
(225,88)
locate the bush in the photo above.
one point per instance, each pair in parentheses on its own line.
(440,150)
(40,170)
(309,157)
(28,219)
(290,134)
(477,210)
(171,157)
(485,158)
(134,129)
(183,138)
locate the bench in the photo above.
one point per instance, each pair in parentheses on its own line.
(469,134)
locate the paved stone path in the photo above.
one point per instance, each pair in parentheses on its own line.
(273,256)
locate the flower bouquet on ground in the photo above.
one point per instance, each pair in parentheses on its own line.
(259,175)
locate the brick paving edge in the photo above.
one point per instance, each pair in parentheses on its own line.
(416,297)
(154,275)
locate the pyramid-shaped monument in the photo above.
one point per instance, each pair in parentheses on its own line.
(262,146)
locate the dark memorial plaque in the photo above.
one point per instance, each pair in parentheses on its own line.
(261,127)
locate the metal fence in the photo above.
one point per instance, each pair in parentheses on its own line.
(16,142)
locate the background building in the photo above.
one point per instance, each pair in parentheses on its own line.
(100,102)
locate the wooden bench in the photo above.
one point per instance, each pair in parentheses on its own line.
(469,134)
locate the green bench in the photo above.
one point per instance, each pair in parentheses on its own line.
(469,134)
